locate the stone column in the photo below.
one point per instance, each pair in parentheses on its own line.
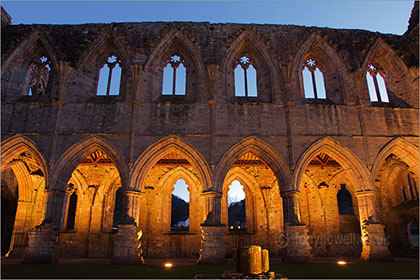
(127,245)
(43,239)
(374,240)
(212,249)
(296,233)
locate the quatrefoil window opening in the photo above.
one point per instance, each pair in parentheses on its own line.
(245,78)
(174,76)
(110,77)
(39,74)
(313,80)
(376,85)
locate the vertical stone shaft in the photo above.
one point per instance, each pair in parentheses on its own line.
(55,203)
(291,207)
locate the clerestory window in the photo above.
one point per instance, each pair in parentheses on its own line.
(376,85)
(174,76)
(313,80)
(38,76)
(245,78)
(109,77)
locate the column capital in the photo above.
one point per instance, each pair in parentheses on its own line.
(133,193)
(54,192)
(290,194)
(212,194)
(364,193)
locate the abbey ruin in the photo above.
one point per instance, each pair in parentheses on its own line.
(99,121)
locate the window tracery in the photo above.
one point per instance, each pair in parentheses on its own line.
(376,85)
(39,73)
(245,78)
(110,77)
(174,76)
(313,80)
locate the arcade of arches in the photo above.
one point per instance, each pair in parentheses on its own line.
(332,207)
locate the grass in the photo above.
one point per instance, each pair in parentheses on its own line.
(309,270)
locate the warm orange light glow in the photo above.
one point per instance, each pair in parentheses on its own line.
(341,262)
(168,265)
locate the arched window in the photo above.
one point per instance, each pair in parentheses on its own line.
(236,207)
(413,231)
(313,80)
(174,76)
(117,208)
(109,77)
(345,203)
(71,211)
(38,76)
(245,78)
(180,207)
(376,85)
(412,186)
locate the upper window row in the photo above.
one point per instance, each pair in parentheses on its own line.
(175,78)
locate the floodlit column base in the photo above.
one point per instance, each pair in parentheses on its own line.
(375,247)
(42,245)
(297,244)
(127,245)
(212,249)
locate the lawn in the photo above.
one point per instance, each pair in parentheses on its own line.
(309,270)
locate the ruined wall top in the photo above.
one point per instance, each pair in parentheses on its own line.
(6,19)
(70,42)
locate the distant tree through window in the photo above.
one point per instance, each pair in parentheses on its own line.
(245,78)
(313,80)
(376,85)
(39,75)
(180,210)
(236,207)
(174,76)
(110,77)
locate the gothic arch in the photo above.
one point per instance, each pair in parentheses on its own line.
(330,64)
(268,76)
(69,160)
(401,148)
(176,43)
(346,158)
(157,150)
(172,176)
(17,66)
(18,144)
(393,70)
(89,64)
(262,150)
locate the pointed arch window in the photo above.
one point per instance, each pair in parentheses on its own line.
(39,74)
(345,203)
(245,78)
(376,85)
(71,211)
(174,76)
(180,207)
(236,207)
(117,208)
(313,80)
(109,77)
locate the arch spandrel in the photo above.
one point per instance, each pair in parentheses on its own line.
(71,158)
(160,148)
(262,150)
(408,152)
(346,158)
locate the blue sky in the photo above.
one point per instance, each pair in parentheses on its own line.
(382,16)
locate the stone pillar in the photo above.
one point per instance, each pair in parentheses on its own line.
(127,244)
(212,249)
(296,233)
(374,240)
(43,239)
